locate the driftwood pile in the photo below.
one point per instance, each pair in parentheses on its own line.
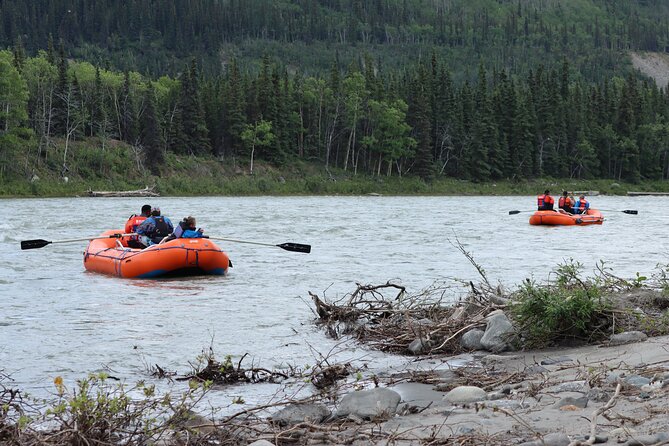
(393,323)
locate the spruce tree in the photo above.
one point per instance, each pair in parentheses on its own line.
(150,134)
(128,112)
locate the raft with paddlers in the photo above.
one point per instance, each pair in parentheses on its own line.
(178,257)
(109,253)
(562,218)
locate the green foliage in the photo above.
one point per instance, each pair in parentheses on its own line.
(568,309)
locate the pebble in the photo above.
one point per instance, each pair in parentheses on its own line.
(554,439)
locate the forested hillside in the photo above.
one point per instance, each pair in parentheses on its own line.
(159,36)
(519,115)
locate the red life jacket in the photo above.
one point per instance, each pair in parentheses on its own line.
(133,222)
(545,202)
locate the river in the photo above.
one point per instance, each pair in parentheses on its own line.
(56,319)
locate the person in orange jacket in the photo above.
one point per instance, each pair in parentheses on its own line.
(581,206)
(566,203)
(545,202)
(133,222)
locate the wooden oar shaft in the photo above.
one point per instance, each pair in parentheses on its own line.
(39,243)
(242,241)
(94,238)
(295,247)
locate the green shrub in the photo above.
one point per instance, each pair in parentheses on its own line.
(568,310)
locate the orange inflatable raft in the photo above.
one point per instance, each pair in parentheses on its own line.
(592,217)
(179,257)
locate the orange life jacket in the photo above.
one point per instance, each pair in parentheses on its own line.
(545,202)
(581,206)
(133,222)
(565,202)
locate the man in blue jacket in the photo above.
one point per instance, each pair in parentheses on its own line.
(155,228)
(581,206)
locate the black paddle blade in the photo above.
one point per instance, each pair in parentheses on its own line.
(631,211)
(295,247)
(514,212)
(33,244)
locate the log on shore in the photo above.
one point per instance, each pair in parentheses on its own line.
(640,194)
(146,192)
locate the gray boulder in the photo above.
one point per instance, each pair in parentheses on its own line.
(466,394)
(498,332)
(368,404)
(627,337)
(299,413)
(472,339)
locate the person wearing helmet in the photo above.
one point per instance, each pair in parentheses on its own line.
(155,228)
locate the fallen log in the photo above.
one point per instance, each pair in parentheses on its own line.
(146,192)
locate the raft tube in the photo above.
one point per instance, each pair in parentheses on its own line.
(179,257)
(562,218)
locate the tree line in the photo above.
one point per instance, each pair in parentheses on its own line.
(158,36)
(357,118)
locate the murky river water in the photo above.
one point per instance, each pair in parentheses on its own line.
(57,319)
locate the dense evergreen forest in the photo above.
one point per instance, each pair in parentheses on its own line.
(159,36)
(514,117)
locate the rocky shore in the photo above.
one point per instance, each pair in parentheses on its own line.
(471,376)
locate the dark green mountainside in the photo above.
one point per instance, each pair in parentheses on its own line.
(159,36)
(478,91)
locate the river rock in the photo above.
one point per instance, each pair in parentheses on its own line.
(472,339)
(466,394)
(554,439)
(419,346)
(299,413)
(367,404)
(261,443)
(580,402)
(627,337)
(637,380)
(648,440)
(497,333)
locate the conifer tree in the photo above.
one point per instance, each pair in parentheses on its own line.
(128,112)
(150,134)
(234,110)
(192,116)
(61,96)
(419,113)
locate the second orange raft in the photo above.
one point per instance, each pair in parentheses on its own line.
(561,218)
(179,257)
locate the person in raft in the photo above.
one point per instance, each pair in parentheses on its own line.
(545,202)
(185,229)
(133,222)
(581,206)
(566,203)
(154,229)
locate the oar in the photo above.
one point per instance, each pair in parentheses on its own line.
(626,211)
(517,212)
(39,243)
(295,247)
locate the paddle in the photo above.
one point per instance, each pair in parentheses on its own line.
(39,243)
(295,247)
(626,211)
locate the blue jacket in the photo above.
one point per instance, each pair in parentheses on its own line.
(190,233)
(577,207)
